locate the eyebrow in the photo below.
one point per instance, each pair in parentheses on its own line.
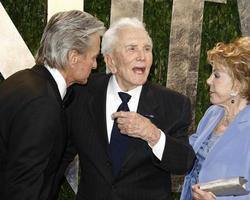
(148,45)
(129,45)
(135,45)
(219,70)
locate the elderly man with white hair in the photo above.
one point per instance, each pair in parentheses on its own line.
(130,134)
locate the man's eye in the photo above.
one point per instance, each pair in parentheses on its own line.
(131,48)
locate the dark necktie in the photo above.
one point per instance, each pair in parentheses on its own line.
(119,142)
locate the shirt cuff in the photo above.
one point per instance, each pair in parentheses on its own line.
(159,147)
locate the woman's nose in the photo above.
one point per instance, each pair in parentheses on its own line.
(209,80)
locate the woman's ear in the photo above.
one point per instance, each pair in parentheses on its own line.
(110,63)
(237,87)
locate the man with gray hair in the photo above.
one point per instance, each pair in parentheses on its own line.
(33,129)
(130,134)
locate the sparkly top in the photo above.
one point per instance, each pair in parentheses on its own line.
(201,155)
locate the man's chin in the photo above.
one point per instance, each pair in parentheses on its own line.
(140,81)
(83,82)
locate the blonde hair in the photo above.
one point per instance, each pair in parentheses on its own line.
(236,55)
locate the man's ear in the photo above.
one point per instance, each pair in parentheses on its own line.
(73,56)
(110,63)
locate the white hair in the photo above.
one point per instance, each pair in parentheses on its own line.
(110,37)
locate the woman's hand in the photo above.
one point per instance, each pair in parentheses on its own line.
(199,194)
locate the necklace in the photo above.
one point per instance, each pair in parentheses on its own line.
(224,123)
(227,119)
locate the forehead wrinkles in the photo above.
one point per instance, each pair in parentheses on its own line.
(133,36)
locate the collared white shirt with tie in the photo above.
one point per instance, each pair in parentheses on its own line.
(112,103)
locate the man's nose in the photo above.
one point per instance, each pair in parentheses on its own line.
(94,66)
(141,55)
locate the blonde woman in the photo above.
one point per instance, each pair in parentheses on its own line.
(222,139)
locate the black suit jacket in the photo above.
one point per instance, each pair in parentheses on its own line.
(143,176)
(32,135)
(1,77)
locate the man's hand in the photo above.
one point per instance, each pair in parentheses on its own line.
(136,125)
(199,194)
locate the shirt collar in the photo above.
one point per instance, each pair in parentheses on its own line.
(60,81)
(114,89)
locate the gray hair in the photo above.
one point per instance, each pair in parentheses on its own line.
(65,31)
(110,37)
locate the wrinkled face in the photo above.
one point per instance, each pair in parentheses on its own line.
(87,61)
(221,86)
(131,58)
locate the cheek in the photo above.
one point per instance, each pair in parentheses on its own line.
(122,63)
(88,65)
(84,71)
(126,59)
(122,72)
(150,59)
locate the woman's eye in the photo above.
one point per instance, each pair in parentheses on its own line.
(216,75)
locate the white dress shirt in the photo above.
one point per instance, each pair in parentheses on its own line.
(112,103)
(60,81)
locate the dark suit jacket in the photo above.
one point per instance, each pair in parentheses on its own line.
(32,135)
(1,77)
(143,176)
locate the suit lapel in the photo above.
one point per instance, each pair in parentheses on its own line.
(97,108)
(148,106)
(97,111)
